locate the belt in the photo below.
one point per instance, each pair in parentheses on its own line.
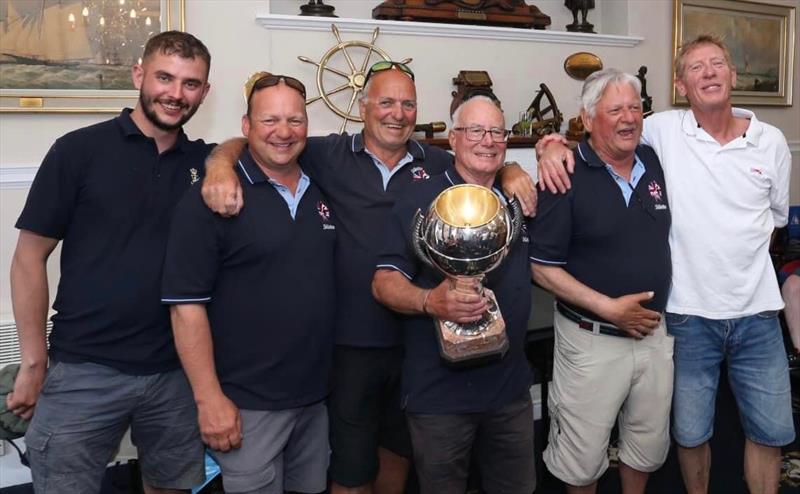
(588,324)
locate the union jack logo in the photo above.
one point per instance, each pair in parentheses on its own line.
(323,211)
(655,190)
(419,173)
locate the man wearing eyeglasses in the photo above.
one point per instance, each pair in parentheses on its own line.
(362,175)
(252,306)
(602,249)
(457,414)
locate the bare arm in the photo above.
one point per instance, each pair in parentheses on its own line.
(555,163)
(219,418)
(517,183)
(459,304)
(29,299)
(221,190)
(624,312)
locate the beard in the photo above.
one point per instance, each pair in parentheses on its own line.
(148,108)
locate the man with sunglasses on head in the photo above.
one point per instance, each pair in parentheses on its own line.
(602,250)
(482,411)
(258,356)
(107,192)
(362,175)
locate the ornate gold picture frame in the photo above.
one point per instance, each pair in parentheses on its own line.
(760,37)
(75,56)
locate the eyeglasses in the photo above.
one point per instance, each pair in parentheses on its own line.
(261,80)
(387,65)
(475,134)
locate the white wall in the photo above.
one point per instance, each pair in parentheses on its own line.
(240,46)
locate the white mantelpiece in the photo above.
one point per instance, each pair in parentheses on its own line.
(441,30)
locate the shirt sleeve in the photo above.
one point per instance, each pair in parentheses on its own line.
(192,261)
(779,189)
(551,230)
(53,195)
(397,252)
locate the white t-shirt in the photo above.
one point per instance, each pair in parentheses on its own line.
(725,201)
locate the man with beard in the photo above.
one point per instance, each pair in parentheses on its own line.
(107,191)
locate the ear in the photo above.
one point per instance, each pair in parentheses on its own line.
(451,138)
(206,89)
(137,75)
(245,125)
(362,107)
(733,78)
(587,122)
(680,86)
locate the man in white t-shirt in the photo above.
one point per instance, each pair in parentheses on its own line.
(727,178)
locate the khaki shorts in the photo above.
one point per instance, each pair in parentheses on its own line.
(598,379)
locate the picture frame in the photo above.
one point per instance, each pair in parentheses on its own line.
(760,38)
(75,56)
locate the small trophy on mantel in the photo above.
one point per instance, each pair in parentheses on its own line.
(582,6)
(315,8)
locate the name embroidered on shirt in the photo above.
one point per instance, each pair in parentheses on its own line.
(195,177)
(419,173)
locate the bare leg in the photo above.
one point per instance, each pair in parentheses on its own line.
(791,296)
(392,472)
(695,466)
(584,489)
(762,468)
(633,481)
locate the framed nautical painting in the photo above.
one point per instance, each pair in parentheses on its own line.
(760,38)
(75,56)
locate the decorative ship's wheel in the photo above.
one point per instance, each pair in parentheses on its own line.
(337,65)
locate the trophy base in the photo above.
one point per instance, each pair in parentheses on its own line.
(471,350)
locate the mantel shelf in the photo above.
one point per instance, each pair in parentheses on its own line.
(440,30)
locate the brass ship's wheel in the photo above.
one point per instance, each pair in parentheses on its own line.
(337,67)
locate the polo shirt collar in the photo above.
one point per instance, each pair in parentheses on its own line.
(452,176)
(590,157)
(250,169)
(751,135)
(413,147)
(129,128)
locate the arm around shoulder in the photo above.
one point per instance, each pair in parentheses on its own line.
(221,190)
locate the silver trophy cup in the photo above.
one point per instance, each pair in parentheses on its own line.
(466,233)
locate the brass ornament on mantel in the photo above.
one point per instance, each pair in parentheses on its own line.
(580,65)
(353,75)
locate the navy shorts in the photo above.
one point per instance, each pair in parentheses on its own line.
(364,411)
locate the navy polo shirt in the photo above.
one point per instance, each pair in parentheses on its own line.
(613,247)
(429,385)
(345,172)
(267,281)
(107,193)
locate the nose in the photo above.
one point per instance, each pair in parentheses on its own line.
(708,70)
(283,130)
(397,111)
(175,90)
(486,140)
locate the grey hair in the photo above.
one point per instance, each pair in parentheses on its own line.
(457,114)
(365,92)
(596,84)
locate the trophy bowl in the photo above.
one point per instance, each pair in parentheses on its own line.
(467,232)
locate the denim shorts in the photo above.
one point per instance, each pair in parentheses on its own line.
(84,410)
(752,349)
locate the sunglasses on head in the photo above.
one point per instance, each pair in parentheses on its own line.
(388,65)
(269,80)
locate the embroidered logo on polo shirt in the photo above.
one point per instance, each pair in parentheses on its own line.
(418,173)
(325,213)
(195,177)
(524,234)
(655,191)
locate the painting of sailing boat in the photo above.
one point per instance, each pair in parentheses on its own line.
(55,51)
(760,38)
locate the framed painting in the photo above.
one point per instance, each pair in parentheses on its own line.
(760,37)
(75,56)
